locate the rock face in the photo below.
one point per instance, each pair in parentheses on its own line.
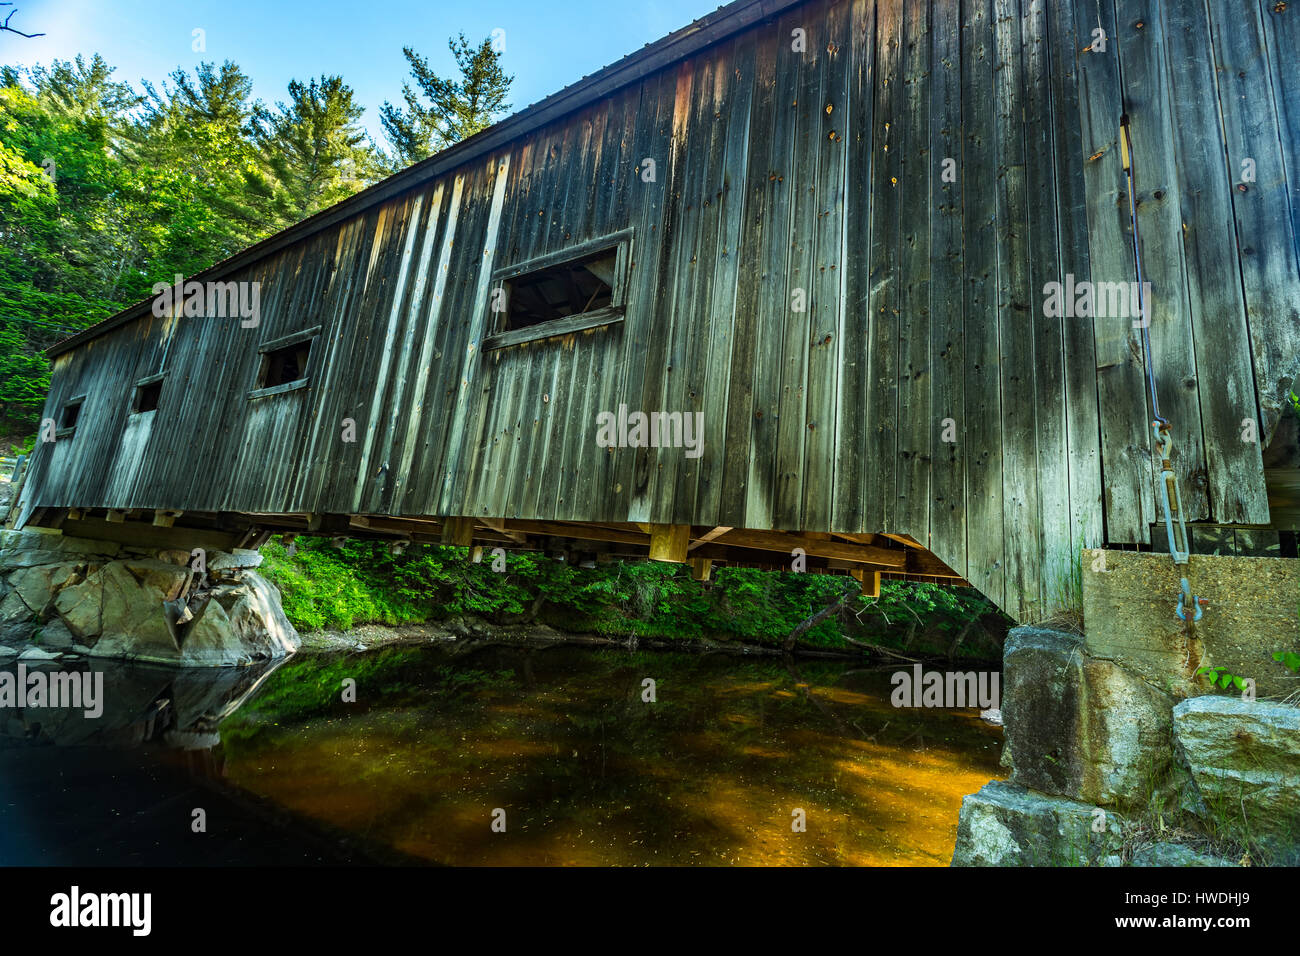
(62,594)
(1172,854)
(1009,825)
(1087,736)
(1079,727)
(1244,757)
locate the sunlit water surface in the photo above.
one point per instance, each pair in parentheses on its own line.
(559,745)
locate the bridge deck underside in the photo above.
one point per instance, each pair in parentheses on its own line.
(889,556)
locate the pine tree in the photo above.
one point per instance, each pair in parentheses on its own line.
(315,150)
(456,110)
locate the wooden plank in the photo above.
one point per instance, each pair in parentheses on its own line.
(459,437)
(1082,425)
(980,430)
(708,536)
(774,293)
(674,479)
(915,424)
(853,380)
(827,295)
(947,519)
(1265,218)
(880,447)
(660,354)
(1146,99)
(776,541)
(1125,436)
(1051,462)
(143,535)
(1234,468)
(1281,24)
(458,532)
(792,320)
(730,202)
(742,402)
(1020,503)
(648,209)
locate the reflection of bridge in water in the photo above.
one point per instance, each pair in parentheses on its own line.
(121,789)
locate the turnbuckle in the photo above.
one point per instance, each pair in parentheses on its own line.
(1171,500)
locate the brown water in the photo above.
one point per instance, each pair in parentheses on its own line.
(587,772)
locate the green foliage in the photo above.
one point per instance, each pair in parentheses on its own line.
(1222,678)
(392,675)
(106,191)
(1288,660)
(327,587)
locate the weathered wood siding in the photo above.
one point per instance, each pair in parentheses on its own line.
(781,172)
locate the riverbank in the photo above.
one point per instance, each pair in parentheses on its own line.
(359,594)
(473,633)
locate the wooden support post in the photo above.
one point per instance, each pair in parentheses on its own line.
(701,568)
(165,519)
(113,516)
(870,581)
(458,532)
(322,523)
(668,542)
(476,554)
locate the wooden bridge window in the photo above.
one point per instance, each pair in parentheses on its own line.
(286,362)
(285,365)
(570,288)
(69,416)
(579,288)
(148,392)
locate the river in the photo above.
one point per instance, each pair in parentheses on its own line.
(493,755)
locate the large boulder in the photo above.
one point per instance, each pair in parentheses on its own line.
(39,585)
(1244,757)
(1008,825)
(238,559)
(31,548)
(1079,727)
(132,620)
(108,601)
(247,616)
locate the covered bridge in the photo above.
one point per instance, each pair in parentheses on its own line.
(817,237)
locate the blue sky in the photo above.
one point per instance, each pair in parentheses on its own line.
(548,45)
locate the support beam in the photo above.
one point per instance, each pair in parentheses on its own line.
(458,532)
(322,524)
(499,526)
(870,581)
(776,541)
(582,532)
(906,539)
(669,542)
(145,535)
(707,537)
(701,568)
(165,519)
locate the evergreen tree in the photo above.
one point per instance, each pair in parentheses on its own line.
(314,148)
(456,110)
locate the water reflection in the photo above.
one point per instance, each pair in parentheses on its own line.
(586,770)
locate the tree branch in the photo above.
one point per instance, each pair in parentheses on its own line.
(6,28)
